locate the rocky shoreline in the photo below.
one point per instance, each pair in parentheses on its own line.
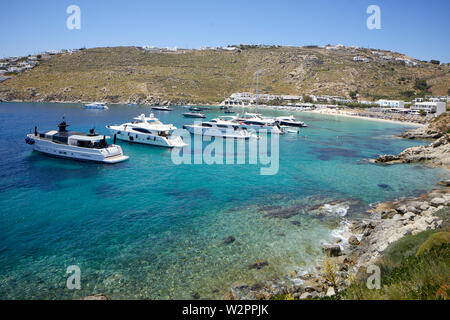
(369,238)
(436,154)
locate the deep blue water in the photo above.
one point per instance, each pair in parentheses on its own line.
(148,228)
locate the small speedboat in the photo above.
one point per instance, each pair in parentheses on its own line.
(162,108)
(96,106)
(75,145)
(288,129)
(194,115)
(131,105)
(229,111)
(194,109)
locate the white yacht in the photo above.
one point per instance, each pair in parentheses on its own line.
(148,130)
(219,128)
(290,121)
(75,145)
(162,108)
(96,106)
(255,121)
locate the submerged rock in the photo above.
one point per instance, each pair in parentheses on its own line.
(228,240)
(258,264)
(196,295)
(385,186)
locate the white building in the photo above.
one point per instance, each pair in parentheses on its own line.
(391,103)
(360,59)
(436,108)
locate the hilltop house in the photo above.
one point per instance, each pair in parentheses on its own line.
(360,59)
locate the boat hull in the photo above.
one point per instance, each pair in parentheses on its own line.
(199,116)
(214,132)
(111,154)
(161,109)
(292,124)
(149,139)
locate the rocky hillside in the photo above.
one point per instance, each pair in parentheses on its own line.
(130,74)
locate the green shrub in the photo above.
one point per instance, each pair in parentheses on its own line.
(405,247)
(424,277)
(434,241)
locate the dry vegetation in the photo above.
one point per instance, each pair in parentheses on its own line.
(128,74)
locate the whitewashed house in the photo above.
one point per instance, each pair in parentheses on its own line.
(391,103)
(435,108)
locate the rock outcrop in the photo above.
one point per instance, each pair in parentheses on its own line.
(436,153)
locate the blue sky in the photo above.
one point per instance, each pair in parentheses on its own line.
(417,28)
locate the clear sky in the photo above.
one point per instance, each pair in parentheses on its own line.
(419,29)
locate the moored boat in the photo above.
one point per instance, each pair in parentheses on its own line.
(148,130)
(290,121)
(162,108)
(221,129)
(96,106)
(194,115)
(75,145)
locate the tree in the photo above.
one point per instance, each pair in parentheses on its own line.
(421,85)
(352,94)
(448,91)
(435,62)
(307,98)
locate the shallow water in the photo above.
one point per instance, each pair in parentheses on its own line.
(148,228)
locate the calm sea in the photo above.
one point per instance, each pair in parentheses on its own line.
(148,228)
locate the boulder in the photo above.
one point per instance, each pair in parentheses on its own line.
(445,183)
(409,216)
(388,214)
(353,240)
(402,209)
(437,202)
(412,209)
(306,295)
(424,206)
(230,295)
(331,250)
(331,292)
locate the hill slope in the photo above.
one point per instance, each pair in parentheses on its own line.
(129,74)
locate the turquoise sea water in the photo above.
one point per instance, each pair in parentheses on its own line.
(148,228)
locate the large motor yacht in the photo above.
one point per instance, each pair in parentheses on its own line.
(254,121)
(148,130)
(75,145)
(218,128)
